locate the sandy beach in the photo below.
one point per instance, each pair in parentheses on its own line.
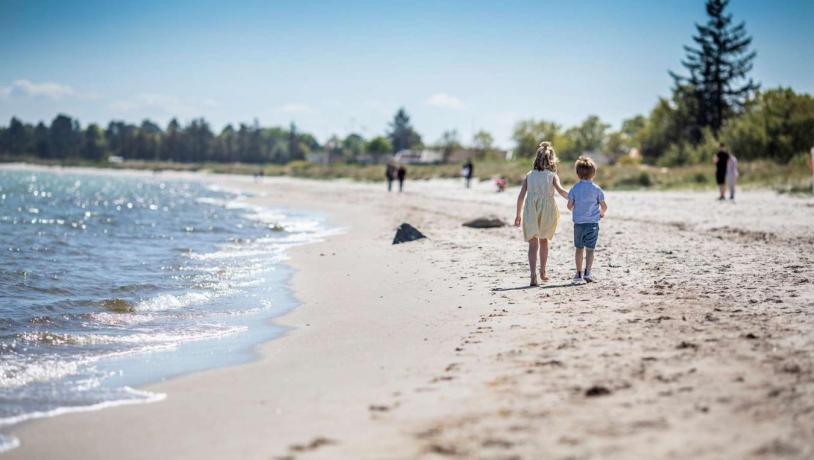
(697,341)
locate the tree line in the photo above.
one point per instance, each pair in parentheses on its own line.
(65,138)
(776,124)
(194,142)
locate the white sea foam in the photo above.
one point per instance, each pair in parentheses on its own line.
(8,443)
(139,397)
(171,302)
(19,372)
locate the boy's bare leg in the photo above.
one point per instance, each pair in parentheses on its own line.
(589,259)
(533,243)
(543,258)
(578,259)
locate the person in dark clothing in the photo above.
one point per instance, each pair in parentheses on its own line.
(390,173)
(721,162)
(468,171)
(402,173)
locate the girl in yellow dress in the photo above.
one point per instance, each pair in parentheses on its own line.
(538,208)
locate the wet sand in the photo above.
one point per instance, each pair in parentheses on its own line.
(697,342)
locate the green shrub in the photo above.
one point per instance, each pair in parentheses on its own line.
(800,160)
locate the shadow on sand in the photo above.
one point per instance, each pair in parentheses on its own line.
(564,285)
(542,286)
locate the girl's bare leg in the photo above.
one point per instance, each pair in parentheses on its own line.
(533,243)
(543,258)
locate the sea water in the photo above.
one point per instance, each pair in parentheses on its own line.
(109,281)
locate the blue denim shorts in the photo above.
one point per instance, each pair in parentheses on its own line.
(585,235)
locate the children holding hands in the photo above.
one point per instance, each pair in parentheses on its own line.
(540,215)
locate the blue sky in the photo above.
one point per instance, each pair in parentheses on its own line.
(337,67)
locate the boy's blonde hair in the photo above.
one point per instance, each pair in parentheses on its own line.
(546,158)
(586,168)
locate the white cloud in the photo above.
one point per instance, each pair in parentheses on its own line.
(445,101)
(294,108)
(48,89)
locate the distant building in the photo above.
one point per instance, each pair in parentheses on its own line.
(461,155)
(369,159)
(599,158)
(318,157)
(456,156)
(419,156)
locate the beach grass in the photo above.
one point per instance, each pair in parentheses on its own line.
(787,178)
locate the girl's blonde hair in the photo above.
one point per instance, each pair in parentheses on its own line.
(546,158)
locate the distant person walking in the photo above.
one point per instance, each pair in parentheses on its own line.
(468,171)
(390,174)
(732,175)
(721,163)
(401,173)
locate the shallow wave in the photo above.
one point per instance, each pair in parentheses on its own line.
(117,319)
(139,397)
(135,287)
(170,336)
(170,301)
(160,302)
(17,371)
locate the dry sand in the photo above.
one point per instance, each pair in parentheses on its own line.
(696,343)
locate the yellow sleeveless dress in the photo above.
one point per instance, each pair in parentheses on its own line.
(540,213)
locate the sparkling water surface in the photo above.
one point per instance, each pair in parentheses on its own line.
(107,282)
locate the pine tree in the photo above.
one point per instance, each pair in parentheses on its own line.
(93,146)
(718,68)
(295,151)
(402,135)
(16,140)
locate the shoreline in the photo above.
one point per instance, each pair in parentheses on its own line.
(243,346)
(436,349)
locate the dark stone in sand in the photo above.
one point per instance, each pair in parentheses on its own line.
(684,345)
(597,390)
(485,222)
(406,233)
(791,368)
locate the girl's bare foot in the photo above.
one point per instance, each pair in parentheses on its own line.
(534,281)
(543,275)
